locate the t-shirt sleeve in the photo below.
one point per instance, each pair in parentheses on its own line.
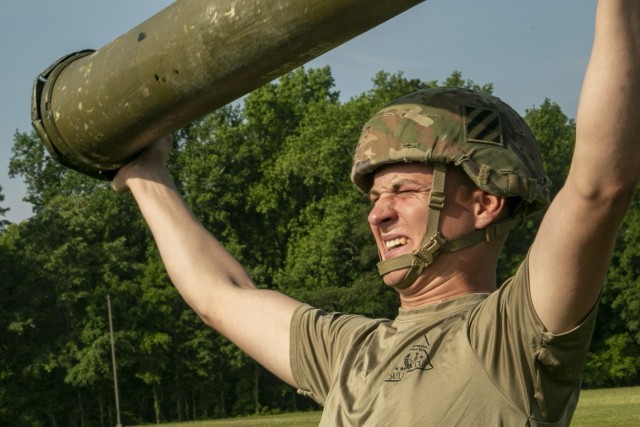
(319,341)
(523,358)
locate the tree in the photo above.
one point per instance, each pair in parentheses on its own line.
(3,212)
(81,245)
(268,176)
(456,80)
(614,360)
(555,133)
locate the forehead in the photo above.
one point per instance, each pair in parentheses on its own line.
(397,173)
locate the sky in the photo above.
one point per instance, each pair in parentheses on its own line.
(529,50)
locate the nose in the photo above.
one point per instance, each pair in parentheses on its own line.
(382,212)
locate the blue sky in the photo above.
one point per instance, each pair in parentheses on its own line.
(529,50)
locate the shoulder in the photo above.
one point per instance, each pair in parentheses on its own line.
(310,321)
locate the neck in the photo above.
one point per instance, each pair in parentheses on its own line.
(437,283)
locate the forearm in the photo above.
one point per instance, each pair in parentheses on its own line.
(607,122)
(199,266)
(573,248)
(210,280)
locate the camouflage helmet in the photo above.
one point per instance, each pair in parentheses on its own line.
(476,131)
(480,134)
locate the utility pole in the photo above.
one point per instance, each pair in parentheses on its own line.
(113,362)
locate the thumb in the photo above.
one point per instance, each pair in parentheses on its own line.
(118,185)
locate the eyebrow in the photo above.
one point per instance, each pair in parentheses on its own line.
(395,186)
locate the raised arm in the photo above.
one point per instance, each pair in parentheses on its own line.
(571,254)
(209,279)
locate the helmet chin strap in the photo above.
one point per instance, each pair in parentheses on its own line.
(433,243)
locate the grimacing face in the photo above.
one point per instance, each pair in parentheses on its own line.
(400,209)
(398,217)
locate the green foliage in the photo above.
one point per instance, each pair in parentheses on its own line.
(555,133)
(3,211)
(623,284)
(456,80)
(616,344)
(269,178)
(618,364)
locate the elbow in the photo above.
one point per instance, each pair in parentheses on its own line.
(207,313)
(224,300)
(618,196)
(610,198)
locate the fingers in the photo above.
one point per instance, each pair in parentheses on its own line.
(153,156)
(118,185)
(157,152)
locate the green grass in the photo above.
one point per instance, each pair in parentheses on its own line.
(616,407)
(619,407)
(298,419)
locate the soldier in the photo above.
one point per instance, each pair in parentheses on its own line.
(449,173)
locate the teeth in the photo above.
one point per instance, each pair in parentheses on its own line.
(390,244)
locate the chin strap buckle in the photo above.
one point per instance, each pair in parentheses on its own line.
(429,250)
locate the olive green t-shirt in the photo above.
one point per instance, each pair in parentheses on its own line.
(476,360)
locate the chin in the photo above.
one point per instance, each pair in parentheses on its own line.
(395,277)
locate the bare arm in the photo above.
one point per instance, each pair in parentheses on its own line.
(571,254)
(209,279)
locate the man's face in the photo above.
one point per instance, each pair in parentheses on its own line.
(400,197)
(398,217)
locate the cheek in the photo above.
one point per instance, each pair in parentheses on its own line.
(416,214)
(456,220)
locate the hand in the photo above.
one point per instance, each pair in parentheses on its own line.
(152,157)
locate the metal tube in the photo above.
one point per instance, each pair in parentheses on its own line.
(95,110)
(113,363)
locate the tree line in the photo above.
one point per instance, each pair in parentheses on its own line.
(268,176)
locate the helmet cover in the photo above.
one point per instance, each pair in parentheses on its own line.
(475,131)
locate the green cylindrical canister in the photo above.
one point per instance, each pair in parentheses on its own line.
(94,110)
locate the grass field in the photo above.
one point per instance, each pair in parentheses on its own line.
(608,407)
(617,407)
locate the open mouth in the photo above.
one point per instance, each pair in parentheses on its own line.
(395,243)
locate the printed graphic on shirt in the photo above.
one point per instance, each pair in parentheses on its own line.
(417,358)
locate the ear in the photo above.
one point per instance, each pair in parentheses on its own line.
(488,208)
